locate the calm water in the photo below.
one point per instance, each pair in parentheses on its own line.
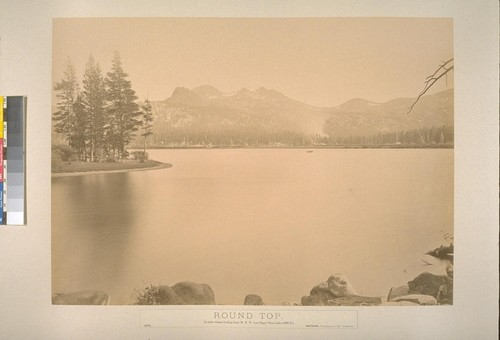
(269,222)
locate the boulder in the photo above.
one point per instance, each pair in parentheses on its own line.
(313,300)
(397,292)
(449,271)
(253,300)
(321,296)
(86,297)
(194,293)
(340,286)
(444,297)
(336,286)
(438,286)
(423,300)
(167,296)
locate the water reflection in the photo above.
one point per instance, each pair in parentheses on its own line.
(94,218)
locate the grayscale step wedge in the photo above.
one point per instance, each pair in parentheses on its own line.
(15,157)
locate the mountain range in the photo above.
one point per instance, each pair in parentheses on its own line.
(206,116)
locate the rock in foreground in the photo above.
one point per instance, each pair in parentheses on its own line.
(336,286)
(337,291)
(396,292)
(253,300)
(194,293)
(423,300)
(182,293)
(438,286)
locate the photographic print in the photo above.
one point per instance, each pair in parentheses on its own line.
(252,161)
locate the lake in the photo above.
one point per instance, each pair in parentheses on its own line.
(272,222)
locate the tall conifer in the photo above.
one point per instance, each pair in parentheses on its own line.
(67,91)
(93,99)
(122,108)
(147,121)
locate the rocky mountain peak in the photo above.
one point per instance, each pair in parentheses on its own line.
(208,92)
(184,96)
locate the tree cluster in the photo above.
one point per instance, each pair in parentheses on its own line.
(253,136)
(430,136)
(100,117)
(222,136)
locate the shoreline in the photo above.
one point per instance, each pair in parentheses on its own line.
(95,172)
(312,147)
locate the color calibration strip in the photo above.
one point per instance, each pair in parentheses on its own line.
(3,214)
(13,160)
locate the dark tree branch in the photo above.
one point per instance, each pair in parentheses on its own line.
(441,71)
(443,65)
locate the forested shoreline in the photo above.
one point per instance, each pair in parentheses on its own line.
(434,137)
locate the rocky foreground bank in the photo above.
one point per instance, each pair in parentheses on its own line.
(425,289)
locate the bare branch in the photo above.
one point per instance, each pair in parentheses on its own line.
(441,71)
(440,67)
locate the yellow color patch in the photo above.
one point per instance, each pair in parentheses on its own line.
(1,116)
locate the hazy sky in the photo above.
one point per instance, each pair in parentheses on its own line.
(320,61)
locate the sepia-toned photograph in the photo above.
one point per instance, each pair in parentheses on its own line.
(252,161)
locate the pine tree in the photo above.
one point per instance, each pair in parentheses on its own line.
(147,121)
(64,117)
(122,108)
(80,128)
(93,99)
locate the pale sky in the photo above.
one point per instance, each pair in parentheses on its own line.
(319,61)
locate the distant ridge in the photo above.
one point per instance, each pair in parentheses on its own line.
(205,115)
